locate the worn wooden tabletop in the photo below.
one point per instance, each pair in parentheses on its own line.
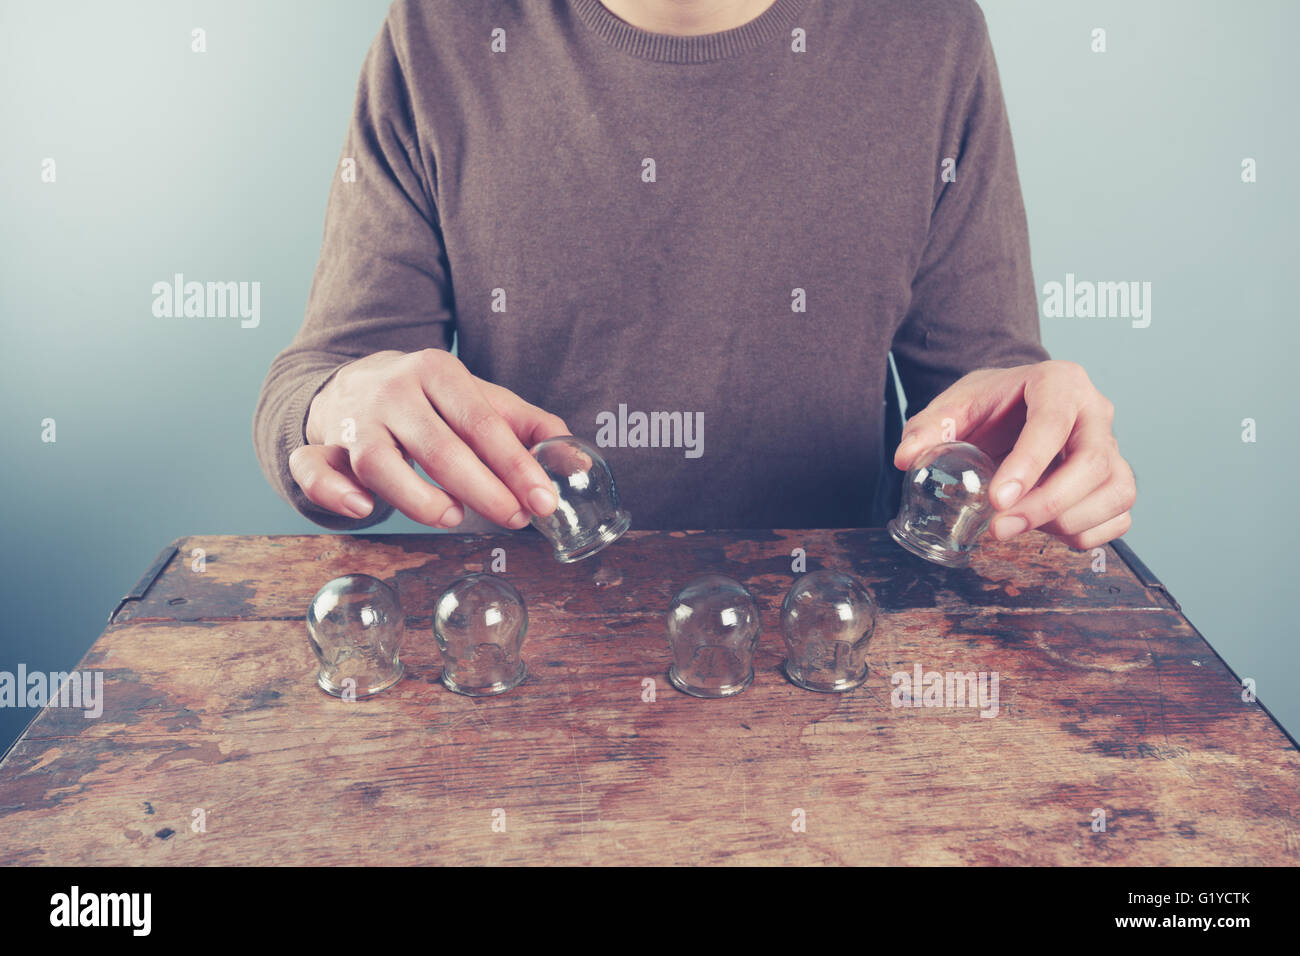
(215,745)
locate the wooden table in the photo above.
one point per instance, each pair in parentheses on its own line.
(1108,700)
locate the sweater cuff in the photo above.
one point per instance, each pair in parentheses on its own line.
(292,437)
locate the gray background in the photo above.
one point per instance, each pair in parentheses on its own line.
(218,166)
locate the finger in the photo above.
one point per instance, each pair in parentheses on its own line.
(971,409)
(1102,534)
(1113,498)
(326,478)
(494,467)
(942,420)
(1052,415)
(1090,460)
(452,464)
(997,436)
(531,424)
(379,465)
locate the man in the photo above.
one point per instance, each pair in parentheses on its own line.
(690,231)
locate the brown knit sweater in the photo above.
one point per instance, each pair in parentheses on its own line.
(731,230)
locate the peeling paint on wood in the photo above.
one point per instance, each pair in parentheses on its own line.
(1108,698)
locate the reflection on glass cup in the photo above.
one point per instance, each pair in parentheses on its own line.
(713,630)
(479,623)
(945,504)
(588,516)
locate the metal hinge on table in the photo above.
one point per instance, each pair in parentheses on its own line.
(146,581)
(1143,573)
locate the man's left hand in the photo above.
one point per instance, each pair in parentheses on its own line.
(1061,471)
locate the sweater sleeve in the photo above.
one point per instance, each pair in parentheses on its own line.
(973,302)
(382,280)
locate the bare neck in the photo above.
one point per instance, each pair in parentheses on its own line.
(686,17)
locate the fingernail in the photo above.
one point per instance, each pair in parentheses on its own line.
(518,521)
(356,503)
(452,517)
(1005,528)
(541,500)
(1007,494)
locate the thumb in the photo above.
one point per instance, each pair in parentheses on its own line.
(954,414)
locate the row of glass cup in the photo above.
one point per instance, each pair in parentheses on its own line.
(944,510)
(356,626)
(356,623)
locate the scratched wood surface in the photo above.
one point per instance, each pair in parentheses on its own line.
(1108,699)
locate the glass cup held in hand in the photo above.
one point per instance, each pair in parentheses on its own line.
(355,625)
(945,504)
(588,515)
(713,630)
(480,622)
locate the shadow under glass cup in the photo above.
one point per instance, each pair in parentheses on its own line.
(588,516)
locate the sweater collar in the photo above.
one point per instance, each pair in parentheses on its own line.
(776,20)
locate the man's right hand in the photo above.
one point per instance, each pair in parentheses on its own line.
(470,436)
